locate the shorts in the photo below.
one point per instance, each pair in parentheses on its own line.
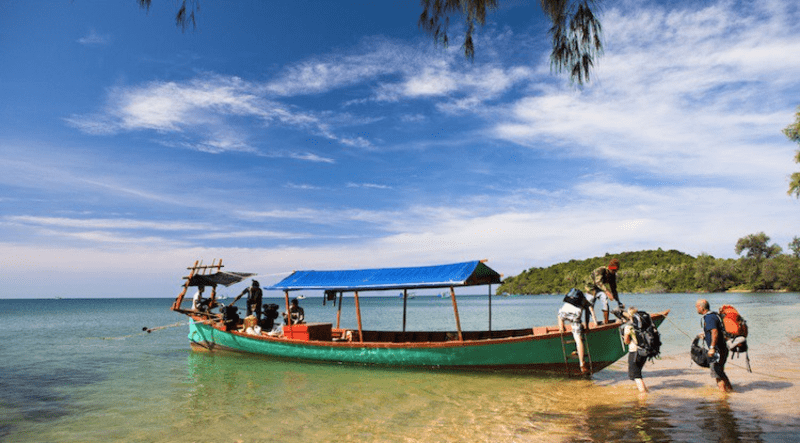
(603,297)
(635,364)
(574,319)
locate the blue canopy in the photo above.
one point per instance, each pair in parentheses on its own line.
(458,274)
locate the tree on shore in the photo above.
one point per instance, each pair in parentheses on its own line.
(714,275)
(757,246)
(762,268)
(792,132)
(575,28)
(751,267)
(795,246)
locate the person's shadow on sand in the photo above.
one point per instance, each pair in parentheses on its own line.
(675,378)
(762,385)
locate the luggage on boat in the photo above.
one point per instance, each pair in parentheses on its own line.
(230,316)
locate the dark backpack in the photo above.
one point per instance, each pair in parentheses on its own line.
(648,338)
(699,353)
(576,298)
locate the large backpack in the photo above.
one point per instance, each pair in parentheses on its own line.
(576,298)
(648,338)
(735,326)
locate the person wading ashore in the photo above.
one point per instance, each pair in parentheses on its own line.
(714,334)
(635,361)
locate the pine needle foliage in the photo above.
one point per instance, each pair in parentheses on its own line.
(792,132)
(575,32)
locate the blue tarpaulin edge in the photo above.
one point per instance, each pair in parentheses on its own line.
(439,276)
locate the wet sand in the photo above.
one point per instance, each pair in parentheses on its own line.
(774,384)
(766,400)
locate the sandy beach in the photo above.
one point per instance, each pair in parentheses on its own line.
(773,386)
(768,396)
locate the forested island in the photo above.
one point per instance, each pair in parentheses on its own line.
(760,267)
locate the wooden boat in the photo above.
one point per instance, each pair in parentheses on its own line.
(529,349)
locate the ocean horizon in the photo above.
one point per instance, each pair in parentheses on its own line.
(84,370)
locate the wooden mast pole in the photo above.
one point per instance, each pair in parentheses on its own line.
(288,314)
(490,310)
(339,310)
(358,316)
(405,305)
(455,310)
(179,300)
(214,287)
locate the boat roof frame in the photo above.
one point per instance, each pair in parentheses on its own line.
(471,273)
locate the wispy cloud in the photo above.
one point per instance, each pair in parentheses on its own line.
(93,38)
(368,185)
(254,234)
(398,71)
(106,223)
(204,114)
(302,186)
(670,110)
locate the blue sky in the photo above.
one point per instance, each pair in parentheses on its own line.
(334,135)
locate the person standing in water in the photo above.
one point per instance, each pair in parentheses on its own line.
(635,361)
(714,334)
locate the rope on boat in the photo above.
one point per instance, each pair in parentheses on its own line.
(204,322)
(157,328)
(146,330)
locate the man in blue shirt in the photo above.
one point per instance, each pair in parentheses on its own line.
(714,334)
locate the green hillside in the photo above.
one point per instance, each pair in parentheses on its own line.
(662,271)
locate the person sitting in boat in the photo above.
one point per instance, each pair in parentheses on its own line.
(254,295)
(197,300)
(572,312)
(270,314)
(296,312)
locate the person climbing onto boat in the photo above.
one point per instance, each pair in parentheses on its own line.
(714,334)
(635,361)
(572,310)
(254,296)
(602,283)
(297,314)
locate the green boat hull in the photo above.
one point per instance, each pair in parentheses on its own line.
(535,352)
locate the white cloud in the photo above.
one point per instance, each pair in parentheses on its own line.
(204,112)
(368,185)
(106,223)
(678,92)
(677,145)
(93,38)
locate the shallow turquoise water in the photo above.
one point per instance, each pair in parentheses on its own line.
(83,370)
